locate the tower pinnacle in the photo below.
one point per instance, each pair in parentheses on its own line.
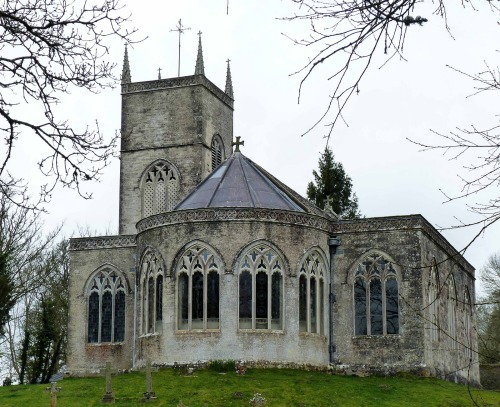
(199,68)
(126,78)
(229,82)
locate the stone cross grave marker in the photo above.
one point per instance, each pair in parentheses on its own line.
(149,394)
(108,397)
(53,393)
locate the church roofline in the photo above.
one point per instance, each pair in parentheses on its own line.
(178,82)
(403,222)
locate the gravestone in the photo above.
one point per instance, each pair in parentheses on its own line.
(149,394)
(108,397)
(53,393)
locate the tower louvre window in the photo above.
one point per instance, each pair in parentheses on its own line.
(217,149)
(160,189)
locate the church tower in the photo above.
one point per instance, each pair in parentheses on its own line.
(174,132)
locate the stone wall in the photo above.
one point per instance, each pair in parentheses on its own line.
(87,256)
(174,123)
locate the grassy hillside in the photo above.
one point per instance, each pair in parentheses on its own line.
(280,387)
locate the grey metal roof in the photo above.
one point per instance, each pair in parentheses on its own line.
(240,183)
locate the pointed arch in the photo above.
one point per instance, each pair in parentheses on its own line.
(217,150)
(375,281)
(260,267)
(106,290)
(159,185)
(198,267)
(313,271)
(151,282)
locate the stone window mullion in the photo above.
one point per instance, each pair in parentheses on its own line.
(368,305)
(318,299)
(190,298)
(254,297)
(113,292)
(384,307)
(205,296)
(308,301)
(101,293)
(269,298)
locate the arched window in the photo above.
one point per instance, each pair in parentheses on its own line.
(106,307)
(434,292)
(467,315)
(160,186)
(311,293)
(198,289)
(217,149)
(260,274)
(376,305)
(152,292)
(452,309)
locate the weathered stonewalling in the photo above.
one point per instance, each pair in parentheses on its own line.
(217,259)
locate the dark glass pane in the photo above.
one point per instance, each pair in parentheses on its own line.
(245,300)
(321,315)
(183,301)
(312,293)
(391,307)
(261,300)
(197,301)
(106,316)
(360,326)
(213,300)
(159,298)
(151,304)
(276,301)
(93,332)
(144,307)
(376,320)
(119,317)
(303,303)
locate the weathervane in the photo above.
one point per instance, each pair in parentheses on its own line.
(180,29)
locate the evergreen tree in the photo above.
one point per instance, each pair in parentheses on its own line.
(333,184)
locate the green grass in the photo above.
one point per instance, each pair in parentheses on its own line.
(290,388)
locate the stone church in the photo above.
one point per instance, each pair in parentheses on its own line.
(218,259)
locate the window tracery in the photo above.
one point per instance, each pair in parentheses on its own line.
(152,292)
(160,188)
(106,307)
(311,293)
(198,286)
(217,150)
(376,302)
(260,274)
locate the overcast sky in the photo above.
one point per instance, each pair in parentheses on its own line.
(404,99)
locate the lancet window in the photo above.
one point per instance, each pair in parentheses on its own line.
(152,292)
(433,300)
(260,274)
(198,289)
(160,187)
(312,293)
(452,312)
(106,307)
(217,149)
(376,302)
(467,316)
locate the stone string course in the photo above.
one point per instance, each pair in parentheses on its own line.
(178,82)
(101,242)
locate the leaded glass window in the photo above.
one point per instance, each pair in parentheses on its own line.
(434,294)
(198,289)
(467,315)
(260,272)
(160,187)
(152,292)
(452,310)
(217,150)
(376,297)
(106,307)
(311,293)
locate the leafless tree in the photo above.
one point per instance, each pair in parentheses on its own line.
(47,48)
(346,36)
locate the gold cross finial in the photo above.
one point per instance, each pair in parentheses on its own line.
(199,33)
(237,143)
(180,29)
(159,73)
